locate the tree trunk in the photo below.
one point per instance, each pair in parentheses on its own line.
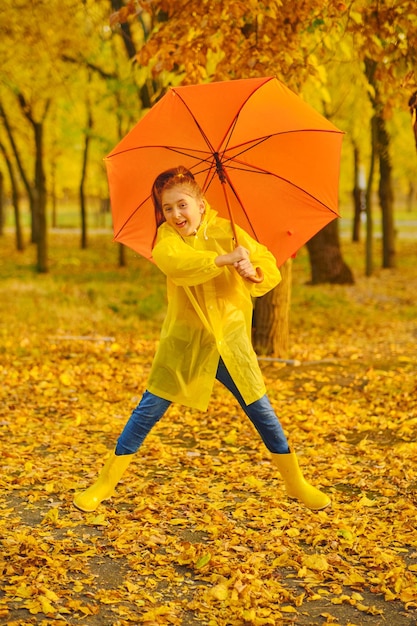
(271,318)
(327,265)
(412,103)
(15,200)
(83,207)
(369,260)
(357,196)
(122,255)
(52,193)
(40,187)
(20,167)
(127,38)
(386,194)
(380,149)
(2,216)
(38,196)
(410,196)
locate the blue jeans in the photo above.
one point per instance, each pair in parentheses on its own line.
(151,408)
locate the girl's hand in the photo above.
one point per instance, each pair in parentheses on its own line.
(238,254)
(240,260)
(245,268)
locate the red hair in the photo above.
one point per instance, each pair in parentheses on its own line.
(168,179)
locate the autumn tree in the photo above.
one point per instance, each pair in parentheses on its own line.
(47,52)
(29,88)
(110,75)
(384,37)
(27,97)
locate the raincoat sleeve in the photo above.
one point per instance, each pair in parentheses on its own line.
(184,265)
(260,257)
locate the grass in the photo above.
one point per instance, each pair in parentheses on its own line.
(86,293)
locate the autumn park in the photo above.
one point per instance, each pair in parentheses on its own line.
(205,527)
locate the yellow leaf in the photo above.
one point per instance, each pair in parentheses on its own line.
(155,613)
(357,596)
(252,481)
(203,560)
(249,615)
(23,591)
(316,562)
(231,438)
(51,595)
(99,520)
(51,516)
(353,578)
(65,379)
(356,16)
(346,534)
(47,607)
(364,501)
(178,521)
(33,606)
(220,591)
(408,595)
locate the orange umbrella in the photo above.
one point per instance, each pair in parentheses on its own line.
(264,158)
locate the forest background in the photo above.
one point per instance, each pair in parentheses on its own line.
(207,536)
(76,77)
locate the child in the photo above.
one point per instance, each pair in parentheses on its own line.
(206,334)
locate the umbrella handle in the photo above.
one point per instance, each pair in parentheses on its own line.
(258,278)
(223,176)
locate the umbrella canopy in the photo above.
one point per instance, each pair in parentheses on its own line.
(264,158)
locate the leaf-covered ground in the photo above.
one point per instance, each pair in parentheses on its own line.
(200,531)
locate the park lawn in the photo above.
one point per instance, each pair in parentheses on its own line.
(200,530)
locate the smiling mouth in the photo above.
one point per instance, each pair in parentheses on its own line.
(181,224)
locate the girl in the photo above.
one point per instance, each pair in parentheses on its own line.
(206,334)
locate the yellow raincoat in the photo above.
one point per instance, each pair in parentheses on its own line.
(209,313)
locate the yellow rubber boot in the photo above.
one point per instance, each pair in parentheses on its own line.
(103,488)
(296,485)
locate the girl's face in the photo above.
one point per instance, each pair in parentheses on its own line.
(182,210)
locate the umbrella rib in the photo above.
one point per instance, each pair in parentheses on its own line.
(256,142)
(258,170)
(203,134)
(130,217)
(229,132)
(159,147)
